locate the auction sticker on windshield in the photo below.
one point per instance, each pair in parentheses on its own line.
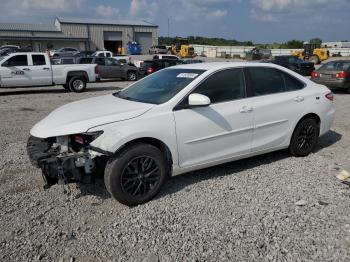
(187,75)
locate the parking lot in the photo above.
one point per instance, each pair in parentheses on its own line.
(245,210)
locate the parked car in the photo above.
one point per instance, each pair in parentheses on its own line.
(168,57)
(181,119)
(295,64)
(191,61)
(258,54)
(150,66)
(158,49)
(334,74)
(35,69)
(10,46)
(111,68)
(65,51)
(124,59)
(65,61)
(85,54)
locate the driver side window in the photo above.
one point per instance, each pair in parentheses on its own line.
(226,85)
(18,60)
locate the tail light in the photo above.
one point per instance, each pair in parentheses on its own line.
(330,96)
(341,74)
(150,70)
(315,74)
(97,70)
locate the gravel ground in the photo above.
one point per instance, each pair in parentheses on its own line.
(242,211)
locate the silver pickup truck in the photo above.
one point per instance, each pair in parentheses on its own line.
(35,69)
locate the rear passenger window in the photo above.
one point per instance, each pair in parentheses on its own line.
(291,83)
(266,81)
(223,86)
(38,60)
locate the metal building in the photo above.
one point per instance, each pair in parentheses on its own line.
(84,34)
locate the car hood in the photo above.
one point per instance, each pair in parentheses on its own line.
(79,116)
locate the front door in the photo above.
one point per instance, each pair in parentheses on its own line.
(16,72)
(115,68)
(220,131)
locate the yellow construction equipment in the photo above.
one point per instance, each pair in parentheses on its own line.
(313,53)
(182,48)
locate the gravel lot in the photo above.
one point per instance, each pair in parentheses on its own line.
(241,211)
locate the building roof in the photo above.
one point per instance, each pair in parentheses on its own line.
(69,20)
(28,27)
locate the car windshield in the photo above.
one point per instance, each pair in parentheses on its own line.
(336,66)
(160,87)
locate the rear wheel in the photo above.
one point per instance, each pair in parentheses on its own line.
(136,175)
(77,84)
(131,76)
(304,138)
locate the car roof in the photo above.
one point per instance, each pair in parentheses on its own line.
(338,61)
(223,65)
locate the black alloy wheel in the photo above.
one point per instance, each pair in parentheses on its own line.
(140,176)
(305,137)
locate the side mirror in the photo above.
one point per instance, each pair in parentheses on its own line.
(198,100)
(5,64)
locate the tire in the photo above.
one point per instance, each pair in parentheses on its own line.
(314,59)
(304,137)
(77,84)
(125,176)
(131,76)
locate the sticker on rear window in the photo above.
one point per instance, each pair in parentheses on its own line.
(187,75)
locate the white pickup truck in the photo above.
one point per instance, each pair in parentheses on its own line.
(35,69)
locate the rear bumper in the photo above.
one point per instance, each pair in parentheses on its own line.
(333,83)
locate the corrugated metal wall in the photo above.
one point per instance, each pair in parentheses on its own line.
(96,33)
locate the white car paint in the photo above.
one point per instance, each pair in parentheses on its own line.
(197,137)
(40,75)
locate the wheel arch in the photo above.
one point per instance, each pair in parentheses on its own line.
(71,74)
(163,147)
(309,115)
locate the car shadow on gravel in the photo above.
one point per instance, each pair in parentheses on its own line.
(55,91)
(180,182)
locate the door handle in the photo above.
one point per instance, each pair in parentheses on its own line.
(46,68)
(299,99)
(26,69)
(246,109)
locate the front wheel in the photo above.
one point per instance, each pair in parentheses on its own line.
(77,84)
(136,175)
(304,138)
(131,76)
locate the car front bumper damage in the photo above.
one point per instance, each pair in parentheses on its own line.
(64,167)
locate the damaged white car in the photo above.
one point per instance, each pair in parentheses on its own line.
(177,120)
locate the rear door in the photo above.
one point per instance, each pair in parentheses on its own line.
(16,72)
(40,70)
(278,102)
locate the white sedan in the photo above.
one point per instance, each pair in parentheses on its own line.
(177,120)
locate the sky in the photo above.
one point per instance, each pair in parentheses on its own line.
(261,21)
